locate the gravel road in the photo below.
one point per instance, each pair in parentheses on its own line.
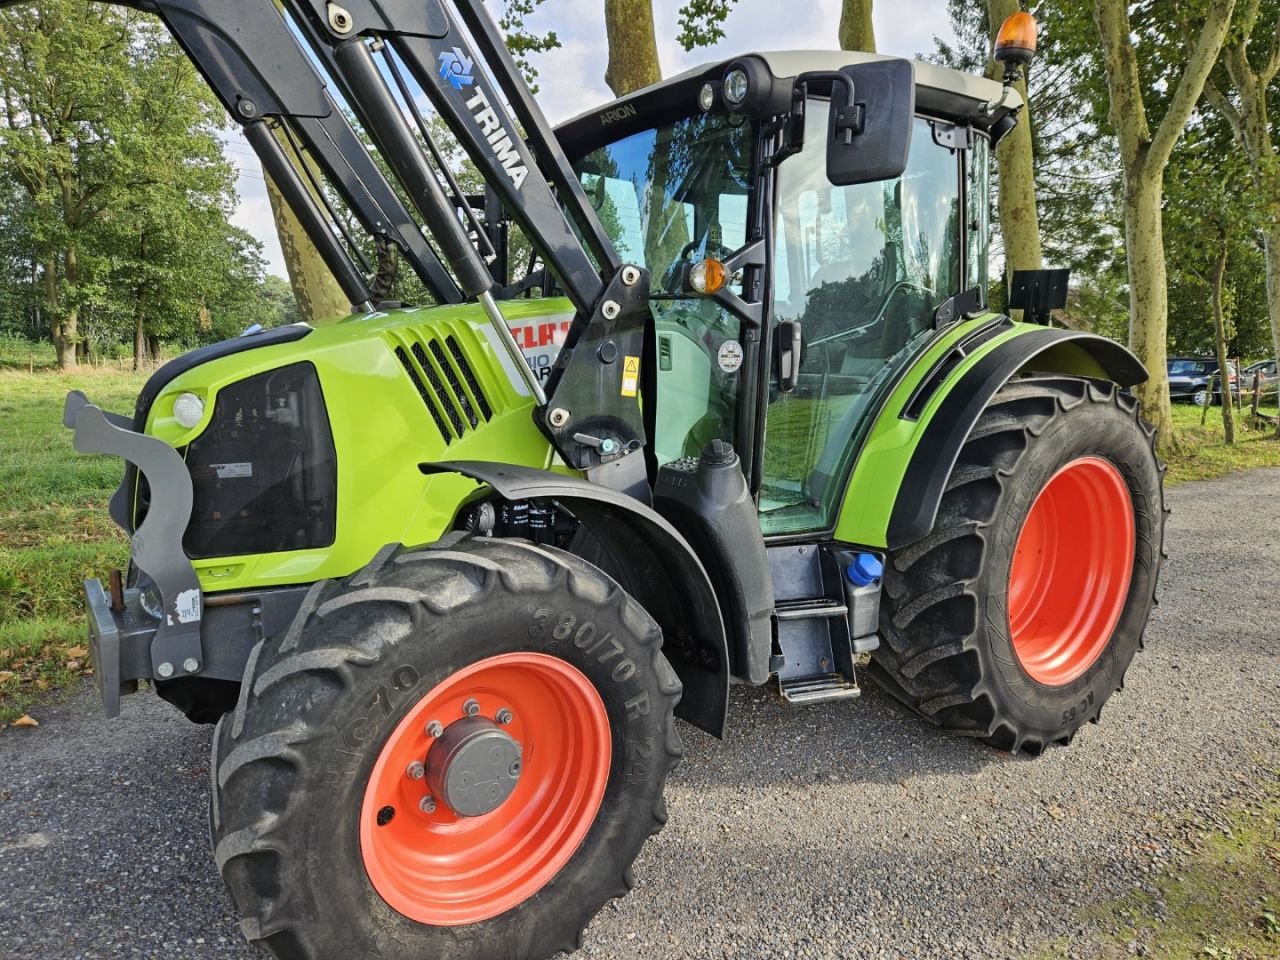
(844,830)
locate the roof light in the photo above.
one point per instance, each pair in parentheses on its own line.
(1016,41)
(707,97)
(736,86)
(188,409)
(708,276)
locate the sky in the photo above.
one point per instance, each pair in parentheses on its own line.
(572,77)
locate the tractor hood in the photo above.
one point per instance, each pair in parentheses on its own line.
(296,438)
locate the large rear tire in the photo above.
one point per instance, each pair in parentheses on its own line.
(455,753)
(1016,618)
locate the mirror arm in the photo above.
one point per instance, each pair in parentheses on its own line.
(793,138)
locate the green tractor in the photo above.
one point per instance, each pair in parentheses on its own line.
(444,577)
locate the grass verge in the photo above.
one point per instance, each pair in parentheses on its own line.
(1221,901)
(54,529)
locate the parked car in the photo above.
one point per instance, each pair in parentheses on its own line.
(1189,379)
(1268,378)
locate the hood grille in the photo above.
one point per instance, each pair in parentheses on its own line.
(446,382)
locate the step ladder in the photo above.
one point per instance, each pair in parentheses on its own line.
(816,653)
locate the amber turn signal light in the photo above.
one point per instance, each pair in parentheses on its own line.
(1016,41)
(708,276)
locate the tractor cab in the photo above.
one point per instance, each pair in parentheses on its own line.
(847,240)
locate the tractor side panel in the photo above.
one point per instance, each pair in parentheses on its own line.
(398,389)
(898,479)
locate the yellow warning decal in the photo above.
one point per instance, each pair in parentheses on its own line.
(630,376)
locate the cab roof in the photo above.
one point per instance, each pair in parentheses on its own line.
(940,92)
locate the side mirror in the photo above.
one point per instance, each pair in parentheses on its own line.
(873,108)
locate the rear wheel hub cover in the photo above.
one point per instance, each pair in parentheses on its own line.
(474,766)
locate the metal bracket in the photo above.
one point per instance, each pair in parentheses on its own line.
(157,542)
(952,135)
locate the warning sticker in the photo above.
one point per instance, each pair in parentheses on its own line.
(630,376)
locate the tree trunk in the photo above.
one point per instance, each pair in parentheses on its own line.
(856,29)
(317,292)
(1145,155)
(633,48)
(139,336)
(1019,218)
(153,347)
(1271,248)
(64,323)
(1149,295)
(1220,343)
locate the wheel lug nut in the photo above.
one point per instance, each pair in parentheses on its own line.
(514,769)
(415,771)
(471,707)
(427,804)
(434,729)
(504,716)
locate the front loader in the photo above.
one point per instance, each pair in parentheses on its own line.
(444,576)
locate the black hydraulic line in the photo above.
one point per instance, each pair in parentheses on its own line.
(295,193)
(383,119)
(546,147)
(318,190)
(487,249)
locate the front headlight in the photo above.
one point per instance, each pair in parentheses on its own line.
(188,409)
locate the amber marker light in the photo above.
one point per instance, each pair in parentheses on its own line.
(1016,41)
(707,276)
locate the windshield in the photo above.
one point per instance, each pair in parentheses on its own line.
(669,196)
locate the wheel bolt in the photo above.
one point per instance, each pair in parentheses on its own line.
(415,771)
(471,707)
(504,716)
(427,804)
(514,769)
(434,728)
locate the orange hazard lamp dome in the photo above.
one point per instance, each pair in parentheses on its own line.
(1016,41)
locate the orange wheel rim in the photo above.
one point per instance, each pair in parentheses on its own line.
(443,869)
(1071,569)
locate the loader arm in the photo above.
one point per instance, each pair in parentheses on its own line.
(288,72)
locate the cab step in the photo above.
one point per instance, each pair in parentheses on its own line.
(819,689)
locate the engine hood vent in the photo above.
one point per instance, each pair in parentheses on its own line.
(445,380)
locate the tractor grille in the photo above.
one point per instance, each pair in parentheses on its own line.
(446,382)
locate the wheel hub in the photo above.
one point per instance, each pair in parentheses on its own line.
(473,766)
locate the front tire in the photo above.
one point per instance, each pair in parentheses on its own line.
(333,819)
(1016,618)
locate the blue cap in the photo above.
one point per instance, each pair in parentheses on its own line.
(865,570)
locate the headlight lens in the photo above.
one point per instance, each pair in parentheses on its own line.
(736,86)
(707,97)
(188,409)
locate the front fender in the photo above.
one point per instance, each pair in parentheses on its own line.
(652,561)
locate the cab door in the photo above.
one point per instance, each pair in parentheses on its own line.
(862,269)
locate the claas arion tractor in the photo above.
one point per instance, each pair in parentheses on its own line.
(444,576)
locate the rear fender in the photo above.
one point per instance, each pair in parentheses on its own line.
(651,561)
(1042,350)
(897,482)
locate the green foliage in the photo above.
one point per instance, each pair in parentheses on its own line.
(521,41)
(115,194)
(701,22)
